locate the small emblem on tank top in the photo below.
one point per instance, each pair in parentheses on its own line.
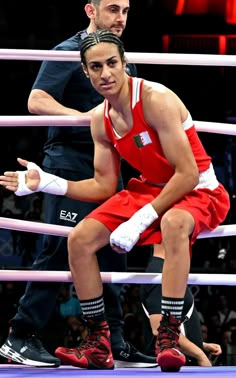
(142,139)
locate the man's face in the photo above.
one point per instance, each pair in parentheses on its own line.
(112,15)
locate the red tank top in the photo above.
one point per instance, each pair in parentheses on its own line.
(141,147)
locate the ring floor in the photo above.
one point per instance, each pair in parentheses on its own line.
(22,371)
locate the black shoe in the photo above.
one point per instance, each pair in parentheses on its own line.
(130,357)
(27,351)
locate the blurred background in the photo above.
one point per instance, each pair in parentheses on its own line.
(169,26)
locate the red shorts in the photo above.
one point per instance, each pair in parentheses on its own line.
(209,209)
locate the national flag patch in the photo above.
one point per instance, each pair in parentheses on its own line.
(142,139)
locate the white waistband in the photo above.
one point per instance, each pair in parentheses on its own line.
(207,179)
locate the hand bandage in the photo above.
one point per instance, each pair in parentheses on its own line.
(128,233)
(48,183)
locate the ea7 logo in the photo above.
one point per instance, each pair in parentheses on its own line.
(68,216)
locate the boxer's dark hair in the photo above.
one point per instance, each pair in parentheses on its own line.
(99,36)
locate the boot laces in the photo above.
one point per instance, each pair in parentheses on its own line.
(94,337)
(168,333)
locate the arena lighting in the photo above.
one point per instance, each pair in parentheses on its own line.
(230,11)
(179,7)
(191,7)
(226,8)
(220,43)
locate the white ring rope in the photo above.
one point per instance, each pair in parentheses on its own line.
(23,121)
(142,58)
(34,120)
(115,277)
(57,230)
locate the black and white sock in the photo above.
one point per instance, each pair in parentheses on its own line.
(173,306)
(93,309)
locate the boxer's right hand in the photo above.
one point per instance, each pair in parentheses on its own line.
(22,182)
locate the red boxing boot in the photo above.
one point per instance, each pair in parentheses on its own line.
(169,356)
(93,353)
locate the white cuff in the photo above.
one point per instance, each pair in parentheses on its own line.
(144,217)
(52,184)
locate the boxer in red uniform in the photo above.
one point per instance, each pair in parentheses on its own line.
(176,197)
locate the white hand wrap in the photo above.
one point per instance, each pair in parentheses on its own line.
(23,189)
(128,233)
(48,183)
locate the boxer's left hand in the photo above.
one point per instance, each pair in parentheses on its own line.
(124,237)
(127,234)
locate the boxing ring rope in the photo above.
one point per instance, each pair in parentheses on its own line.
(56,230)
(115,277)
(24,121)
(142,58)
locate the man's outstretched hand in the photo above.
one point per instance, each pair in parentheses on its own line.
(22,182)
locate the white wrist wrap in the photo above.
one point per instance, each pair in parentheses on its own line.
(144,217)
(48,183)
